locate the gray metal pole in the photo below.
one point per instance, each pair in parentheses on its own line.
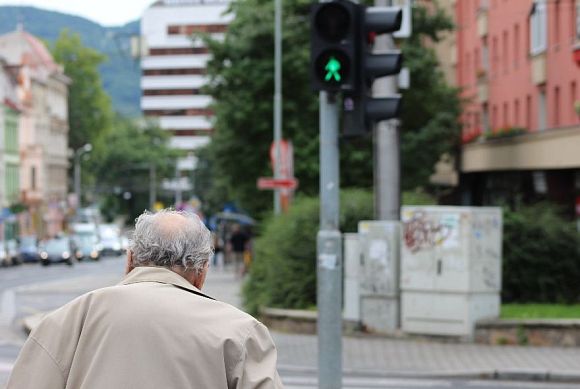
(386,136)
(77,177)
(277,97)
(329,251)
(152,185)
(178,197)
(387,163)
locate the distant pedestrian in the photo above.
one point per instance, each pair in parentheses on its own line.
(238,245)
(153,330)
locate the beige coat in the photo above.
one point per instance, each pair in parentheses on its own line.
(152,331)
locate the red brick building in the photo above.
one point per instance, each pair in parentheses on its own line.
(518,63)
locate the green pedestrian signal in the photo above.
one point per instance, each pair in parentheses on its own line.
(333,37)
(332,68)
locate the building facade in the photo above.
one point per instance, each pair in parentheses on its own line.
(42,91)
(518,65)
(174,69)
(9,152)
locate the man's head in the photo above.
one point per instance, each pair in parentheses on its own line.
(172,239)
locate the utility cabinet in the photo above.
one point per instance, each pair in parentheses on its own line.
(379,275)
(450,268)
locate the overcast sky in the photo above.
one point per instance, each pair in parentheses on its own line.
(105,12)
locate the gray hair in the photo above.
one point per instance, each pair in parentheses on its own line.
(157,241)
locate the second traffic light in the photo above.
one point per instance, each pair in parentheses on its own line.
(361,109)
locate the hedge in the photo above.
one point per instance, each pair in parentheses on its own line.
(283,272)
(541,256)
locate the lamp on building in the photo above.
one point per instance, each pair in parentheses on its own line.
(87,148)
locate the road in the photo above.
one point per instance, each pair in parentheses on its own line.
(31,288)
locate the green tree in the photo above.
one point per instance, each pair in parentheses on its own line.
(431,108)
(124,165)
(89,106)
(241,74)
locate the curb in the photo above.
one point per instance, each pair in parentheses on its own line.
(500,375)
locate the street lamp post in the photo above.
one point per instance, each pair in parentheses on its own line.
(77,161)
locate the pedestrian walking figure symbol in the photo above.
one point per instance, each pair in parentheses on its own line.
(332,69)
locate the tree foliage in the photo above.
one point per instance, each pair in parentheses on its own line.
(242,85)
(431,108)
(124,164)
(89,106)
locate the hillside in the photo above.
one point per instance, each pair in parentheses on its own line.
(120,74)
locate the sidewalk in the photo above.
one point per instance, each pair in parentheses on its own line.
(378,356)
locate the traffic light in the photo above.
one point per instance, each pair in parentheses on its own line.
(334,36)
(361,110)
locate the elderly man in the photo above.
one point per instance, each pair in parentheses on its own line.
(155,329)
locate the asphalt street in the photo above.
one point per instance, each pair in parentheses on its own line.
(31,288)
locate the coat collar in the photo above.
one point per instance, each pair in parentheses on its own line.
(161,275)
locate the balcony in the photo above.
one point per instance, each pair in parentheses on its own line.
(539,76)
(553,149)
(482,22)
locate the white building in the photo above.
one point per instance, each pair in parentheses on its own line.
(174,69)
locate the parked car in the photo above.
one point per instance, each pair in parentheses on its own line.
(86,246)
(8,253)
(56,250)
(12,251)
(110,236)
(28,249)
(4,260)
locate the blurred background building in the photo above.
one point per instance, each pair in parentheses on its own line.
(42,135)
(173,70)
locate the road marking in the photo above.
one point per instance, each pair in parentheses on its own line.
(8,307)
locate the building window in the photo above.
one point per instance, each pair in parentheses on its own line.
(505,115)
(505,58)
(577,20)
(542,111)
(494,117)
(467,76)
(33,178)
(538,27)
(529,112)
(516,45)
(556,120)
(516,112)
(557,22)
(494,56)
(573,100)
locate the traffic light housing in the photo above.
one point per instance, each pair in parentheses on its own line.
(361,110)
(334,37)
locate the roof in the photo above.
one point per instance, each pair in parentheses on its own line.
(23,48)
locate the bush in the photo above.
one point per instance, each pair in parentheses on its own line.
(283,273)
(541,256)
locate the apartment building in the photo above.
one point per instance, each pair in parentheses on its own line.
(518,64)
(42,92)
(174,69)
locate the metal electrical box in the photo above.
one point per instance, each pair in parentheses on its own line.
(379,275)
(450,268)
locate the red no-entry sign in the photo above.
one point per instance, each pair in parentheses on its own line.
(277,183)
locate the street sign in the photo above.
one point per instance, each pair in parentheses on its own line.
(286,158)
(277,183)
